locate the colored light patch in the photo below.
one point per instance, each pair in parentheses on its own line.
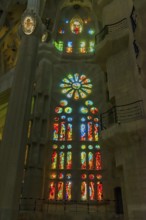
(68,110)
(90,147)
(52,190)
(89,103)
(58,110)
(69,146)
(69,119)
(68,188)
(97,147)
(68,176)
(60,176)
(83,176)
(55,146)
(63,103)
(83,119)
(91,191)
(84,110)
(83,191)
(94,110)
(91,176)
(83,160)
(62,147)
(83,147)
(53,176)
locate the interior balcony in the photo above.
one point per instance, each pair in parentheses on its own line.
(123,122)
(111,39)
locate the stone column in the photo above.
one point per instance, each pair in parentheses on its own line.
(15,132)
(34,180)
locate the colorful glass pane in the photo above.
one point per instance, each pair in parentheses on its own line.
(83,147)
(99,176)
(68,176)
(69,147)
(61,160)
(97,147)
(58,110)
(55,146)
(56,119)
(83,160)
(69,132)
(99,191)
(90,161)
(62,131)
(91,46)
(53,176)
(63,117)
(90,147)
(91,176)
(60,191)
(88,103)
(96,132)
(60,176)
(84,110)
(63,103)
(83,191)
(68,190)
(76,25)
(83,119)
(89,117)
(69,119)
(94,110)
(84,176)
(62,147)
(69,161)
(83,132)
(98,160)
(91,191)
(90,137)
(56,131)
(54,160)
(76,86)
(68,110)
(96,119)
(52,191)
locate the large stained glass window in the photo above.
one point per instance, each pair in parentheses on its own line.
(62,126)
(74,147)
(76,86)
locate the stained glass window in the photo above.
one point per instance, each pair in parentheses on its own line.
(54,160)
(99,191)
(61,160)
(68,190)
(83,160)
(91,191)
(76,25)
(83,132)
(62,131)
(90,161)
(60,191)
(56,130)
(98,160)
(52,191)
(69,161)
(76,86)
(84,191)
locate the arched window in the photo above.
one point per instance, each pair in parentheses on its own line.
(74,145)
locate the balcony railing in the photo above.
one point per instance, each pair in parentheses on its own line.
(110,29)
(98,208)
(122,114)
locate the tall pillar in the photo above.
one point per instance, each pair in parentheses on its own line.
(12,150)
(34,180)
